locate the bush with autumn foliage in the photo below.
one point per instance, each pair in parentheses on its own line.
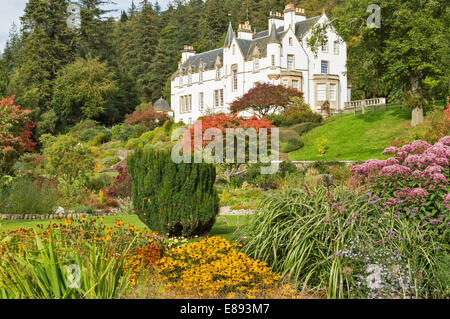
(148,117)
(265,99)
(15,133)
(296,112)
(436,125)
(221,123)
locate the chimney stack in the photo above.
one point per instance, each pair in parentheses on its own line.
(292,15)
(276,18)
(187,52)
(245,31)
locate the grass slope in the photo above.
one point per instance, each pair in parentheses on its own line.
(355,137)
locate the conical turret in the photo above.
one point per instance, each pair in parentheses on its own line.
(230,36)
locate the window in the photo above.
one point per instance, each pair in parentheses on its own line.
(273,60)
(201,101)
(295,84)
(255,64)
(234,49)
(234,79)
(333,92)
(291,42)
(324,67)
(218,98)
(218,73)
(290,62)
(336,47)
(325,47)
(185,104)
(321,92)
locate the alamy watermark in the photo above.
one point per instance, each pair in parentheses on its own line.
(374,20)
(73,276)
(237,141)
(74,19)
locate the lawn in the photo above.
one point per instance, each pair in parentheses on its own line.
(355,137)
(225,225)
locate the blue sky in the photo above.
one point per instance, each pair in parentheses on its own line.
(12,10)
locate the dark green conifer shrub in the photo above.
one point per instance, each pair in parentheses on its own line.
(178,199)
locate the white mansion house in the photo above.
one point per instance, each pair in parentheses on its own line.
(209,82)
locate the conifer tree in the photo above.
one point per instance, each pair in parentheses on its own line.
(47,46)
(143,38)
(164,62)
(95,36)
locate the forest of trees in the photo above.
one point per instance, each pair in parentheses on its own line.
(106,67)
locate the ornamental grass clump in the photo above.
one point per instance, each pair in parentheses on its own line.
(307,236)
(297,232)
(177,199)
(215,268)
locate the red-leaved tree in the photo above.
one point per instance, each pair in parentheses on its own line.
(223,122)
(15,133)
(265,99)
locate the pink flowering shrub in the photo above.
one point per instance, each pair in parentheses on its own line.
(414,181)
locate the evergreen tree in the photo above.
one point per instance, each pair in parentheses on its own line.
(123,17)
(140,48)
(213,23)
(165,61)
(47,46)
(95,36)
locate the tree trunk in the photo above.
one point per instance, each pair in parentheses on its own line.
(417,116)
(416,91)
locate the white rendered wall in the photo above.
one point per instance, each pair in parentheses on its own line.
(304,61)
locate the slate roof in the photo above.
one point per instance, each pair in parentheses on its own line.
(208,59)
(230,36)
(260,40)
(161,105)
(304,26)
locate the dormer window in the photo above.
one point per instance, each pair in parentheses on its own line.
(234,49)
(291,42)
(218,73)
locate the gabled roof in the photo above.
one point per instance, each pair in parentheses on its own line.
(304,26)
(260,40)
